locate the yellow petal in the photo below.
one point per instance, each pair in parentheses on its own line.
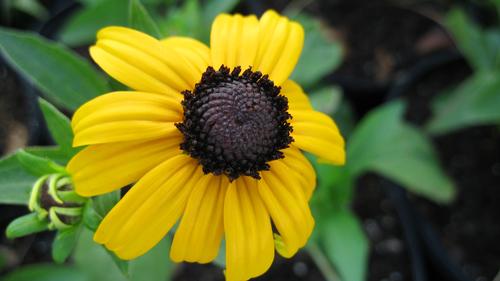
(297,99)
(132,76)
(280,44)
(196,52)
(234,40)
(126,116)
(200,231)
(127,106)
(249,240)
(287,204)
(323,149)
(102,168)
(301,168)
(105,102)
(125,131)
(136,196)
(313,116)
(142,62)
(148,211)
(316,132)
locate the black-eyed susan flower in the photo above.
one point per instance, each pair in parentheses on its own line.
(211,136)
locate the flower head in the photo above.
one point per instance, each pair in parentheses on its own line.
(53,198)
(210,136)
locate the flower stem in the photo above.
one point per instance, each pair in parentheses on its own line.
(322,262)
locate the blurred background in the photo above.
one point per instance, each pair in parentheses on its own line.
(439,58)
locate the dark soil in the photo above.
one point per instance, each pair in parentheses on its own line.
(388,258)
(469,227)
(382,41)
(298,268)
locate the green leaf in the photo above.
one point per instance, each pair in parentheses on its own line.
(16,183)
(320,54)
(81,29)
(384,144)
(326,99)
(65,78)
(155,265)
(37,166)
(334,188)
(122,265)
(475,102)
(184,21)
(492,38)
(193,20)
(59,127)
(31,7)
(91,219)
(139,18)
(25,225)
(333,193)
(46,272)
(52,152)
(496,3)
(472,41)
(94,260)
(345,245)
(104,203)
(64,243)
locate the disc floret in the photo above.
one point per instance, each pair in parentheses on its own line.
(235,123)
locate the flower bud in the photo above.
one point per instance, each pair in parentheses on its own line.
(54,199)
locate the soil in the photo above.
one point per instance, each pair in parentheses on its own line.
(469,227)
(388,259)
(471,157)
(300,267)
(382,41)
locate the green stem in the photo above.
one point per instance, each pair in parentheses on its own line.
(322,262)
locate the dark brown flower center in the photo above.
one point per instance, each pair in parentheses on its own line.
(234,124)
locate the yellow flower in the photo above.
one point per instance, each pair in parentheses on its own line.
(210,136)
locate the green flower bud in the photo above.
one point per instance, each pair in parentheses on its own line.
(54,199)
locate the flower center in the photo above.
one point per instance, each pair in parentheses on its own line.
(234,124)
